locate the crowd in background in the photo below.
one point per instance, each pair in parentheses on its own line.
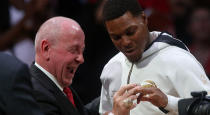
(187,20)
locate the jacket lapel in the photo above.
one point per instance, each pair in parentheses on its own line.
(46,82)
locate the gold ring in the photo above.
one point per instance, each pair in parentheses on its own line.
(148,84)
(128,102)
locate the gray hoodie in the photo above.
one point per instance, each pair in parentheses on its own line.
(167,62)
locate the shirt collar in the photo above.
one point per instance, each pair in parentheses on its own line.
(49,75)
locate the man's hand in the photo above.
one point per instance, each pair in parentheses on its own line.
(123,99)
(153,95)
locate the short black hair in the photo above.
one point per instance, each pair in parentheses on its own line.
(116,8)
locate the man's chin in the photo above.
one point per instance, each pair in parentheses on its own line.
(67,83)
(134,59)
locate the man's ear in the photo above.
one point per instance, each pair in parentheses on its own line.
(45,49)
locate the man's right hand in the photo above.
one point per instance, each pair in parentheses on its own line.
(123,99)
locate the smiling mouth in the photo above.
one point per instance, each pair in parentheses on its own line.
(129,51)
(71,70)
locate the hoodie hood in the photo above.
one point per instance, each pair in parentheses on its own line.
(161,40)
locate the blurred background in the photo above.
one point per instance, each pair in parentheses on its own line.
(187,20)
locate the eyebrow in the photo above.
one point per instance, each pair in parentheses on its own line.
(132,26)
(129,27)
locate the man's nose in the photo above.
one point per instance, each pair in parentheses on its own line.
(80,59)
(126,42)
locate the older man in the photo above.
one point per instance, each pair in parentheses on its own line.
(59,49)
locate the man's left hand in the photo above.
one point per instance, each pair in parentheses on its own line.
(153,95)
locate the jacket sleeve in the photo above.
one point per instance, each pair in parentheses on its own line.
(20,98)
(46,104)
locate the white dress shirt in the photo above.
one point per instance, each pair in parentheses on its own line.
(49,75)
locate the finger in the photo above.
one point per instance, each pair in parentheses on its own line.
(149,90)
(147,97)
(128,102)
(133,97)
(123,89)
(143,92)
(132,91)
(144,97)
(139,98)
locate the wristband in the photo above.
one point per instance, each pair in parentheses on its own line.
(163,110)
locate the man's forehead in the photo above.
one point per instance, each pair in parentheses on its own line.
(75,27)
(69,29)
(122,23)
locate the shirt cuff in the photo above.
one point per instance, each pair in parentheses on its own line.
(172,105)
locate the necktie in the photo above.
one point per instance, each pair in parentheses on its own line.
(69,95)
